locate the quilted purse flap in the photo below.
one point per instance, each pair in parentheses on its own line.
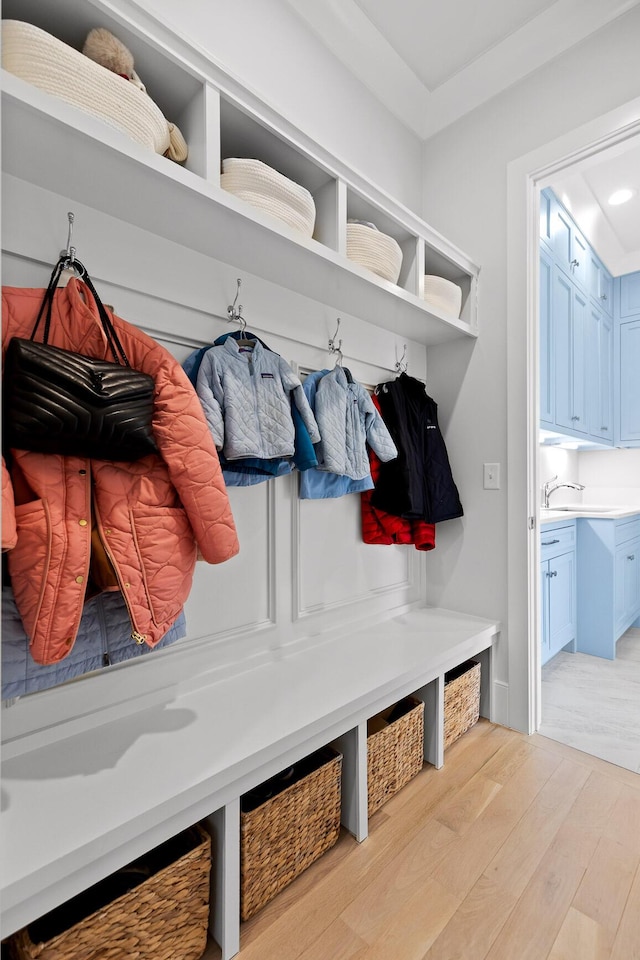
(44,372)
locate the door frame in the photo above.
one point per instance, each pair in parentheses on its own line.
(526,177)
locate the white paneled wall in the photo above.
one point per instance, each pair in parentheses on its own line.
(302,567)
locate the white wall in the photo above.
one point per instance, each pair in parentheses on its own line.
(270,49)
(465,190)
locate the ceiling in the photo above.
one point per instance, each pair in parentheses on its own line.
(430,62)
(613,231)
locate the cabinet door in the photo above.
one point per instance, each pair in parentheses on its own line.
(569,337)
(600,379)
(580,258)
(546,340)
(570,248)
(545,652)
(600,284)
(627,584)
(630,381)
(630,294)
(562,605)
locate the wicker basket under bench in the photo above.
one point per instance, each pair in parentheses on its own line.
(395,750)
(156,908)
(286,824)
(461,700)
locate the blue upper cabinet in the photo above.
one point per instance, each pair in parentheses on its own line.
(630,295)
(569,246)
(569,310)
(630,383)
(547,402)
(576,331)
(600,284)
(600,374)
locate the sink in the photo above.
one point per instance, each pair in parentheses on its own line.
(581,508)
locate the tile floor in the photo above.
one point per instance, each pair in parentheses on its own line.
(594,704)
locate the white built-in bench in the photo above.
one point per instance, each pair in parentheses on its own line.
(82,806)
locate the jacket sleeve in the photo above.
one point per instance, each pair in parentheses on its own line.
(211,393)
(292,385)
(187,448)
(9,532)
(378,437)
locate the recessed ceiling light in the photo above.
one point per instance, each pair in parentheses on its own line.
(621,196)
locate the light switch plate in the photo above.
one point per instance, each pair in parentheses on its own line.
(491,476)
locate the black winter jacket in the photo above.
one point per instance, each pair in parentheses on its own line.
(419,483)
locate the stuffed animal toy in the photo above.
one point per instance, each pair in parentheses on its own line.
(105,49)
(109,52)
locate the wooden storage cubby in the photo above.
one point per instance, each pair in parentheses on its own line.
(242,135)
(185,204)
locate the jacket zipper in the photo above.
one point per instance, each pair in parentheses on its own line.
(135,634)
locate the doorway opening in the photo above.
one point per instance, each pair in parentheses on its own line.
(526,178)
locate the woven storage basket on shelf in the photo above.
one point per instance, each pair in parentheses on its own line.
(374,250)
(269,191)
(444,295)
(163,917)
(51,65)
(395,753)
(285,834)
(461,700)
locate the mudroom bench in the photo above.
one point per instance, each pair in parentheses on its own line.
(78,808)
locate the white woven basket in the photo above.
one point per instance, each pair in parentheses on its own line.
(49,64)
(374,250)
(443,295)
(269,191)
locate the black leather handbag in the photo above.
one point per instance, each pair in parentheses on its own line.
(57,401)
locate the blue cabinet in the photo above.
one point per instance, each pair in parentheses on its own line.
(569,246)
(608,582)
(557,589)
(576,299)
(600,284)
(630,383)
(547,400)
(630,295)
(600,374)
(569,320)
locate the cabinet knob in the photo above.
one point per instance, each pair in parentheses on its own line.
(631,556)
(603,296)
(552,573)
(575,263)
(604,428)
(575,418)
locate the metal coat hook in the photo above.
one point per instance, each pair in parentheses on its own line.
(69,254)
(401,364)
(336,347)
(235,315)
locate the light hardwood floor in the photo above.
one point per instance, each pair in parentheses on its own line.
(519,848)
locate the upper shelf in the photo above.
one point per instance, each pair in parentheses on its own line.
(93,163)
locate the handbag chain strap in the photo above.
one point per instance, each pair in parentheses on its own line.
(113,340)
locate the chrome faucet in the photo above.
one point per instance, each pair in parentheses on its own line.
(550,486)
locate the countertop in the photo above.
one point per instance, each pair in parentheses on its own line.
(576,510)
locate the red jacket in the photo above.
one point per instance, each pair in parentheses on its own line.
(88,525)
(386,528)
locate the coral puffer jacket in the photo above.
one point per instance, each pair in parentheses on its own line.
(88,525)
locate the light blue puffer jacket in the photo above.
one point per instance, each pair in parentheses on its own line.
(348,421)
(104,637)
(245,394)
